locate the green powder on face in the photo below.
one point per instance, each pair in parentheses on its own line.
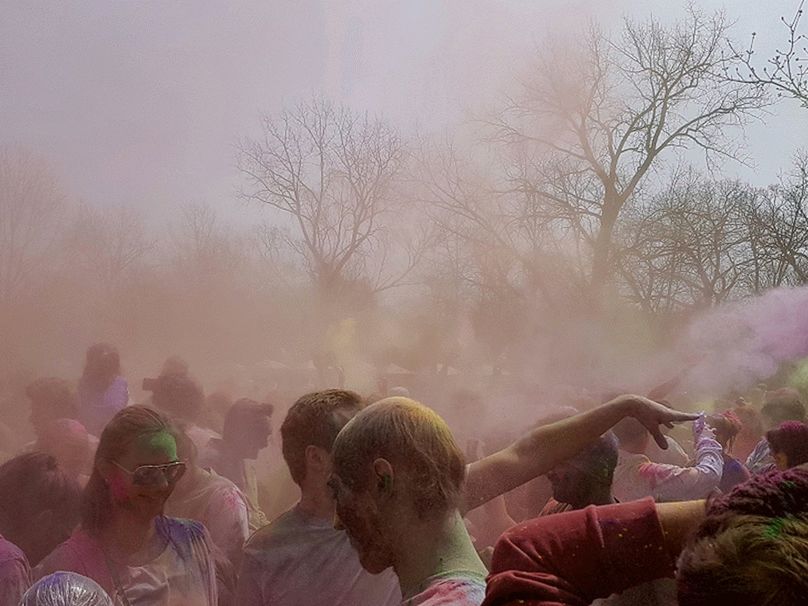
(162,442)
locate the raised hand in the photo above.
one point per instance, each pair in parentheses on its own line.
(653,414)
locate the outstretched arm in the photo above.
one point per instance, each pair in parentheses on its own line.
(545,447)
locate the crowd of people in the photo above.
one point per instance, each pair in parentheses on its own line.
(172,501)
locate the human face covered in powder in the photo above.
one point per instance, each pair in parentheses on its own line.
(144,477)
(359,514)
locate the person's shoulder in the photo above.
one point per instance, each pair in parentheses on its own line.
(9,552)
(291,529)
(182,529)
(66,556)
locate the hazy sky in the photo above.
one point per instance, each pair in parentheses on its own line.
(141,102)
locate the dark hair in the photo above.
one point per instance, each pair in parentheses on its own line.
(102,365)
(55,394)
(784,405)
(179,395)
(242,415)
(30,484)
(416,440)
(752,548)
(311,422)
(791,439)
(629,430)
(600,459)
(125,427)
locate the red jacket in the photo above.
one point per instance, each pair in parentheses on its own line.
(573,558)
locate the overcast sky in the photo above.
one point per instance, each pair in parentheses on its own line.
(141,102)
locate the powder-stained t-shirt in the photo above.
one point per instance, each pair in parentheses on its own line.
(300,560)
(181,574)
(451,589)
(219,505)
(15,575)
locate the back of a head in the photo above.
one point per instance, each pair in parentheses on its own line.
(242,415)
(727,426)
(36,494)
(791,439)
(65,589)
(55,395)
(314,420)
(415,440)
(179,395)
(102,365)
(600,459)
(783,405)
(752,548)
(630,432)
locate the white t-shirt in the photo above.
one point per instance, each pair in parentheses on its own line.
(219,505)
(181,573)
(300,560)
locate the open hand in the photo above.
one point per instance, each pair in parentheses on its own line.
(653,414)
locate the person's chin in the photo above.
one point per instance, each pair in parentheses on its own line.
(374,567)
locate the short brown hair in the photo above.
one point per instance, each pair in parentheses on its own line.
(311,422)
(752,548)
(409,435)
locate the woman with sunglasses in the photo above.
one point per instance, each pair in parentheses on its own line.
(125,543)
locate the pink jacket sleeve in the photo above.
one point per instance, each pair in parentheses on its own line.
(573,558)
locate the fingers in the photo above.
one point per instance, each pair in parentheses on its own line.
(681,417)
(660,439)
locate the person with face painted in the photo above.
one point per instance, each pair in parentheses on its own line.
(401,486)
(125,543)
(247,427)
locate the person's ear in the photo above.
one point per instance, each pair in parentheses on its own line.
(384,475)
(317,459)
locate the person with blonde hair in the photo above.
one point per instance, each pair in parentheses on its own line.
(401,487)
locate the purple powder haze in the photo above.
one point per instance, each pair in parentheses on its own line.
(743,343)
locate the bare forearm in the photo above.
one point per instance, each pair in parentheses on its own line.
(678,521)
(540,451)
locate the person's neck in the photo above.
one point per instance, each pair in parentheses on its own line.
(432,548)
(126,534)
(316,501)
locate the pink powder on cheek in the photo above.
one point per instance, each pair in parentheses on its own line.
(118,488)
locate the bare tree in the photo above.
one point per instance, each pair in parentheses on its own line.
(330,171)
(31,206)
(688,246)
(606,114)
(108,244)
(203,246)
(786,71)
(777,226)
